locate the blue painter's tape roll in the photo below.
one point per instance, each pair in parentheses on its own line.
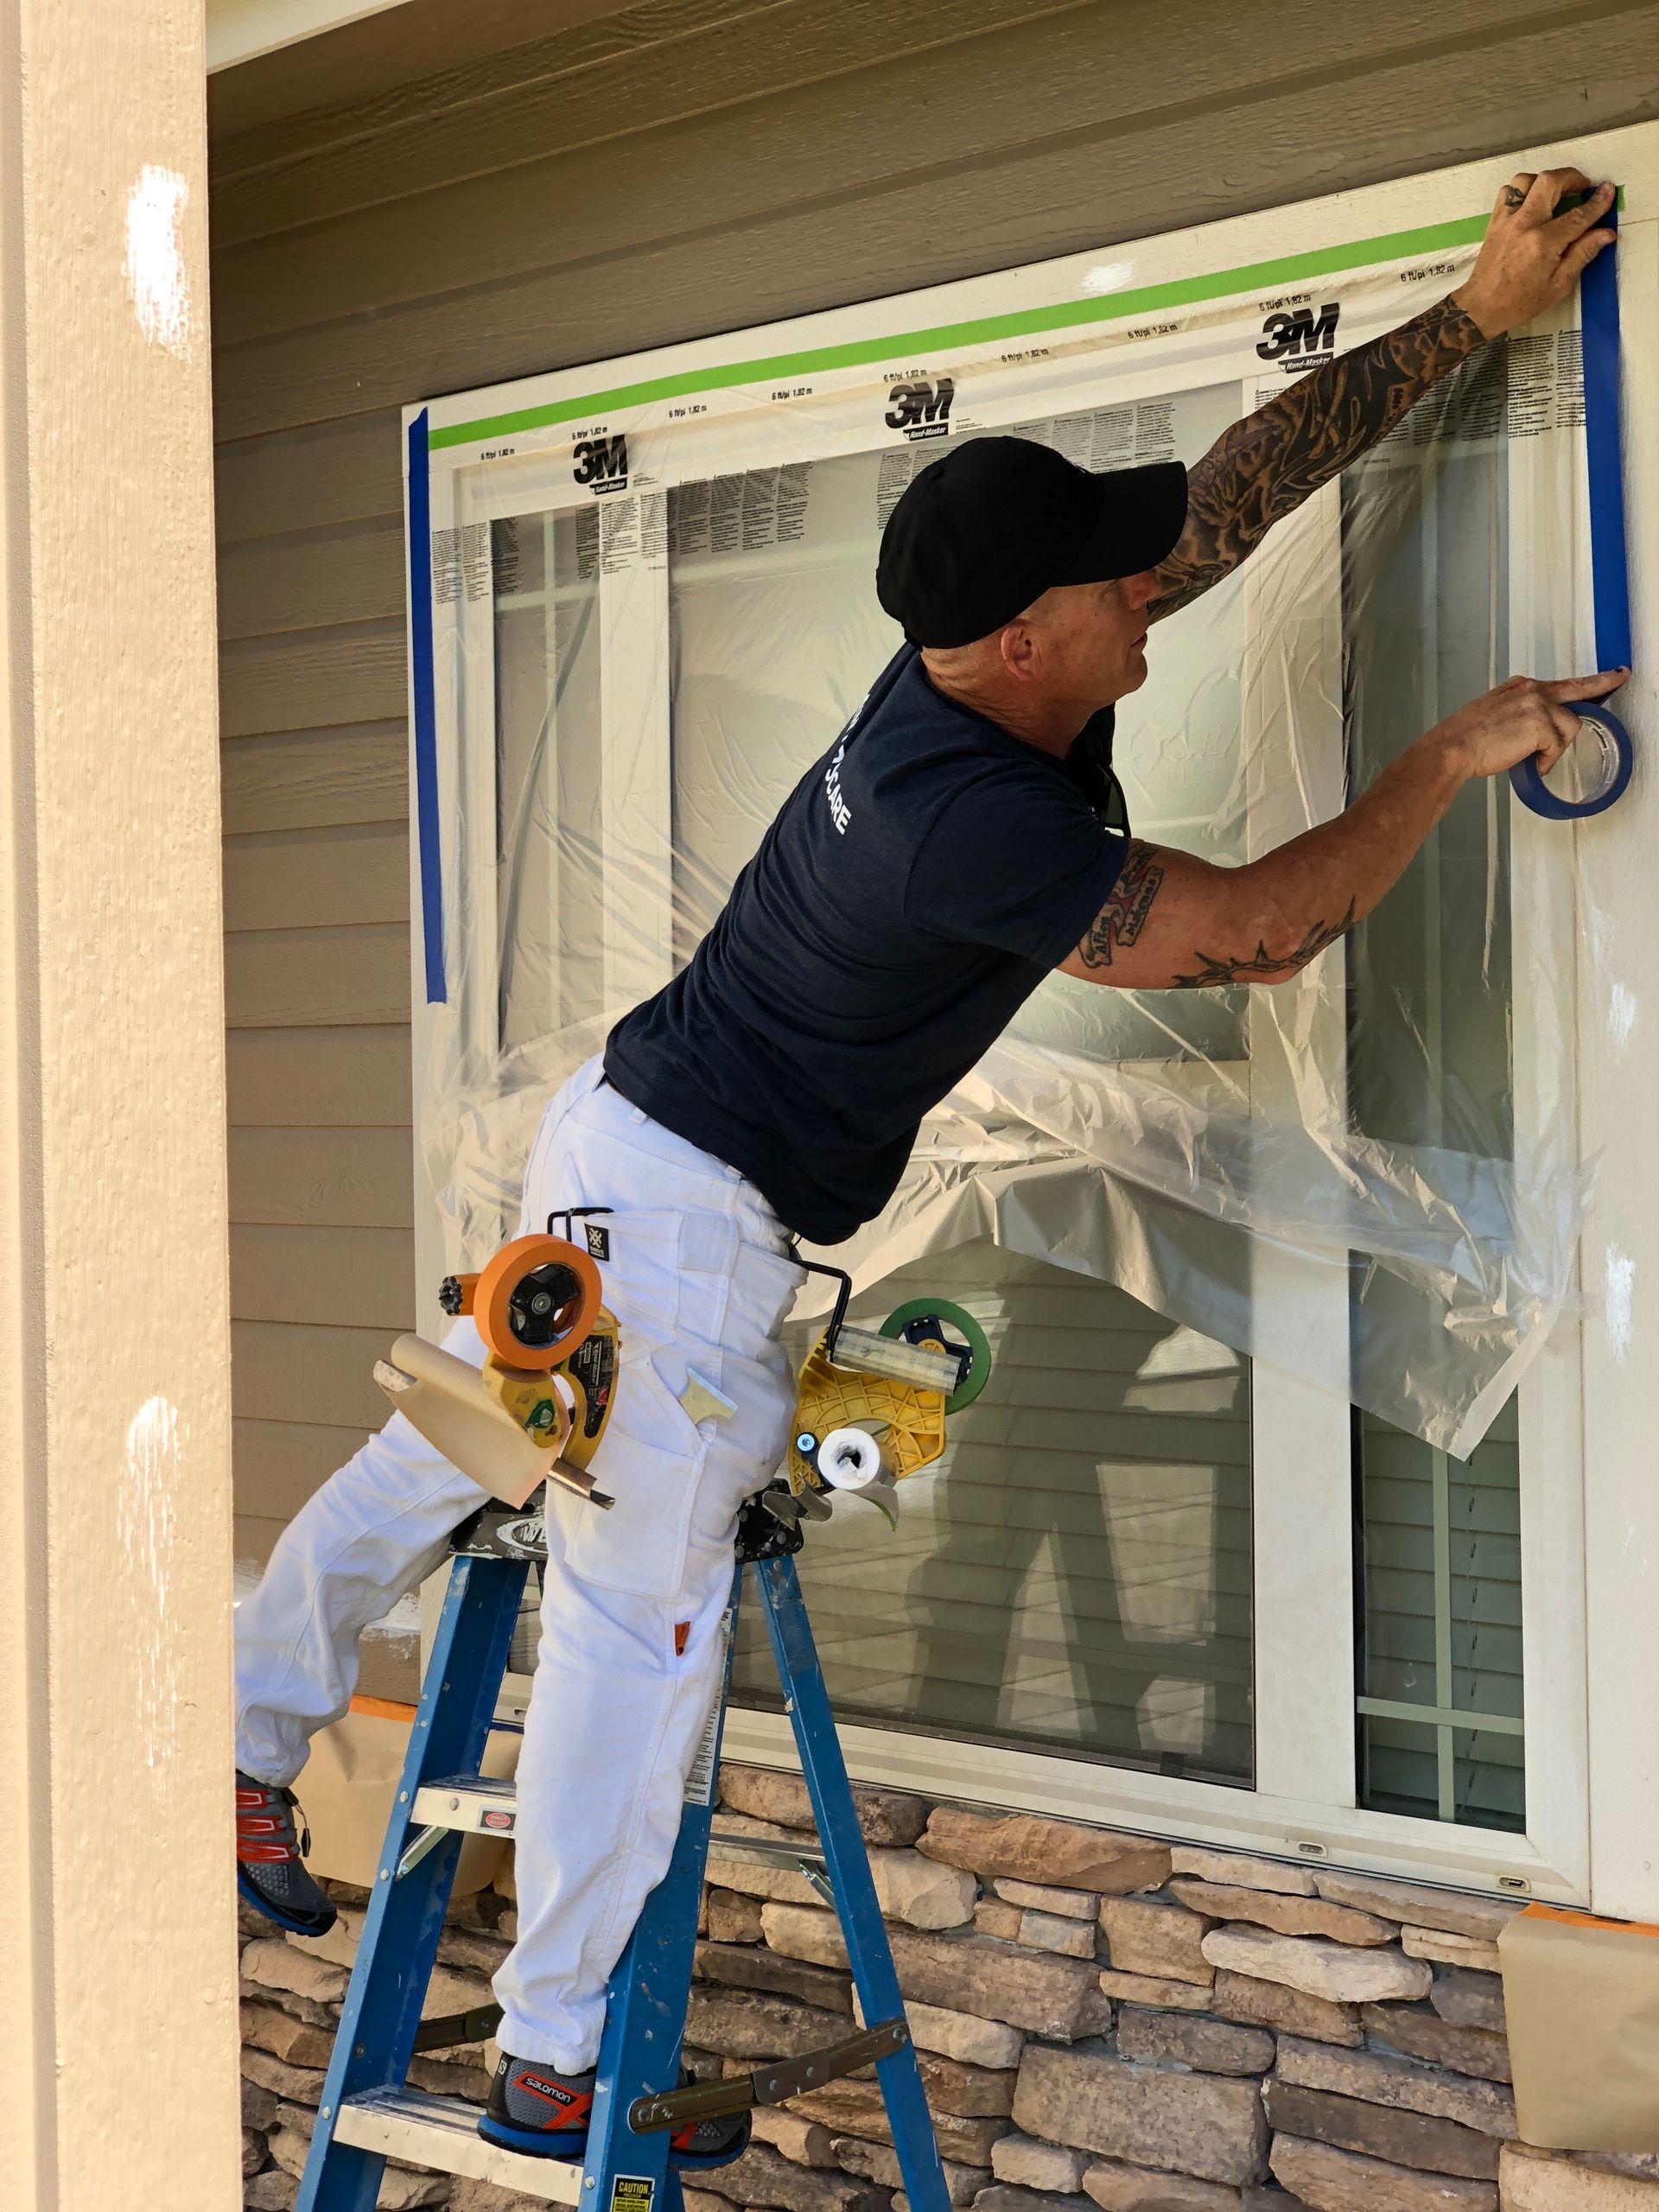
(1612,742)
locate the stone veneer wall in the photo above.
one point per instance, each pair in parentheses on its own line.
(1102,2020)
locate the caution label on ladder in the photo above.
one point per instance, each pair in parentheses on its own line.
(632,2193)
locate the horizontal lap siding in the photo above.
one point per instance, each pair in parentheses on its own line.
(649,175)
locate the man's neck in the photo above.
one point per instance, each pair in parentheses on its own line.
(1051,729)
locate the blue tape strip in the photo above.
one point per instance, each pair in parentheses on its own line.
(1609,583)
(426,731)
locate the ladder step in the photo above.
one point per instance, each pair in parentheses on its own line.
(473,1803)
(477,1803)
(441,2133)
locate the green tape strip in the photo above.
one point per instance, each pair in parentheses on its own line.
(1066,314)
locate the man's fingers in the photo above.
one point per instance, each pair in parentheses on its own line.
(1593,206)
(1569,688)
(1549,187)
(1582,252)
(1567,726)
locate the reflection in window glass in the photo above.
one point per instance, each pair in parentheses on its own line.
(1425,532)
(1074,1575)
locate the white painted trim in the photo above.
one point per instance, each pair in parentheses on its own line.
(1155,1804)
(240,30)
(1618,1057)
(1300,1434)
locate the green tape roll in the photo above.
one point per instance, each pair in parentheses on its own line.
(953,1320)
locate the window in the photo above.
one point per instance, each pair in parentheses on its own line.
(1204,1557)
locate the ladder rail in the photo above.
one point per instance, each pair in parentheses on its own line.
(626,2170)
(650,1988)
(869,1954)
(399,1943)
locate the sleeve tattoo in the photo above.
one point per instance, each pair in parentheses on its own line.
(1266,466)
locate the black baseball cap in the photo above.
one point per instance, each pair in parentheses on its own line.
(997,522)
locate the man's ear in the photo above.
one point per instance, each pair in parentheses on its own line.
(1018,648)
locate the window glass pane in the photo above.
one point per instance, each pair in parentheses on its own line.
(777,635)
(1074,1575)
(1425,585)
(545,571)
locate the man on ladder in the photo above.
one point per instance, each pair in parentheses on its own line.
(961,839)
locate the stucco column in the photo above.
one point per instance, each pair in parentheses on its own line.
(118,1978)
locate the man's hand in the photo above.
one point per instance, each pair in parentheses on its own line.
(1173,923)
(1265,467)
(1533,256)
(1521,718)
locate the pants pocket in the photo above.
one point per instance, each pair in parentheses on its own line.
(650,1461)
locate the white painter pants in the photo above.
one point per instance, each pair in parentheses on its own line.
(632,1599)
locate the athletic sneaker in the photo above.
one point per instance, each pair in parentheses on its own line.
(536,2109)
(270,1870)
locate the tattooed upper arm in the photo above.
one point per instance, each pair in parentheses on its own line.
(1123,917)
(1172,922)
(1266,466)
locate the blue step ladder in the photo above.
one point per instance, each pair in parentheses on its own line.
(367,2114)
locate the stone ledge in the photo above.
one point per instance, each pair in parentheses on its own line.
(1404,2137)
(1118,2187)
(1026,1848)
(1206,2046)
(1378,2078)
(1339,2181)
(1192,2124)
(885,1816)
(1146,1937)
(1244,1868)
(1287,1916)
(1273,2005)
(1562,2181)
(1318,1966)
(1417,2033)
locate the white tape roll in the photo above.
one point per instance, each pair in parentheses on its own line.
(851,1458)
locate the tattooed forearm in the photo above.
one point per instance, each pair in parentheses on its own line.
(1266,466)
(1123,917)
(1263,965)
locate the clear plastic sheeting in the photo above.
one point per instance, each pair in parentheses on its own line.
(1369,1176)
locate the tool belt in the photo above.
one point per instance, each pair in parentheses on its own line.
(871,1408)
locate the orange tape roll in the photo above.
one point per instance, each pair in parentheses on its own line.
(536,1302)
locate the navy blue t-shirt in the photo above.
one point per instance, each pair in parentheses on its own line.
(916,886)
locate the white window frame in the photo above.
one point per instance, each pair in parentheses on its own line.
(1584,1386)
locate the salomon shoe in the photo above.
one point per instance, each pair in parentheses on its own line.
(535,2108)
(703,2144)
(271,1859)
